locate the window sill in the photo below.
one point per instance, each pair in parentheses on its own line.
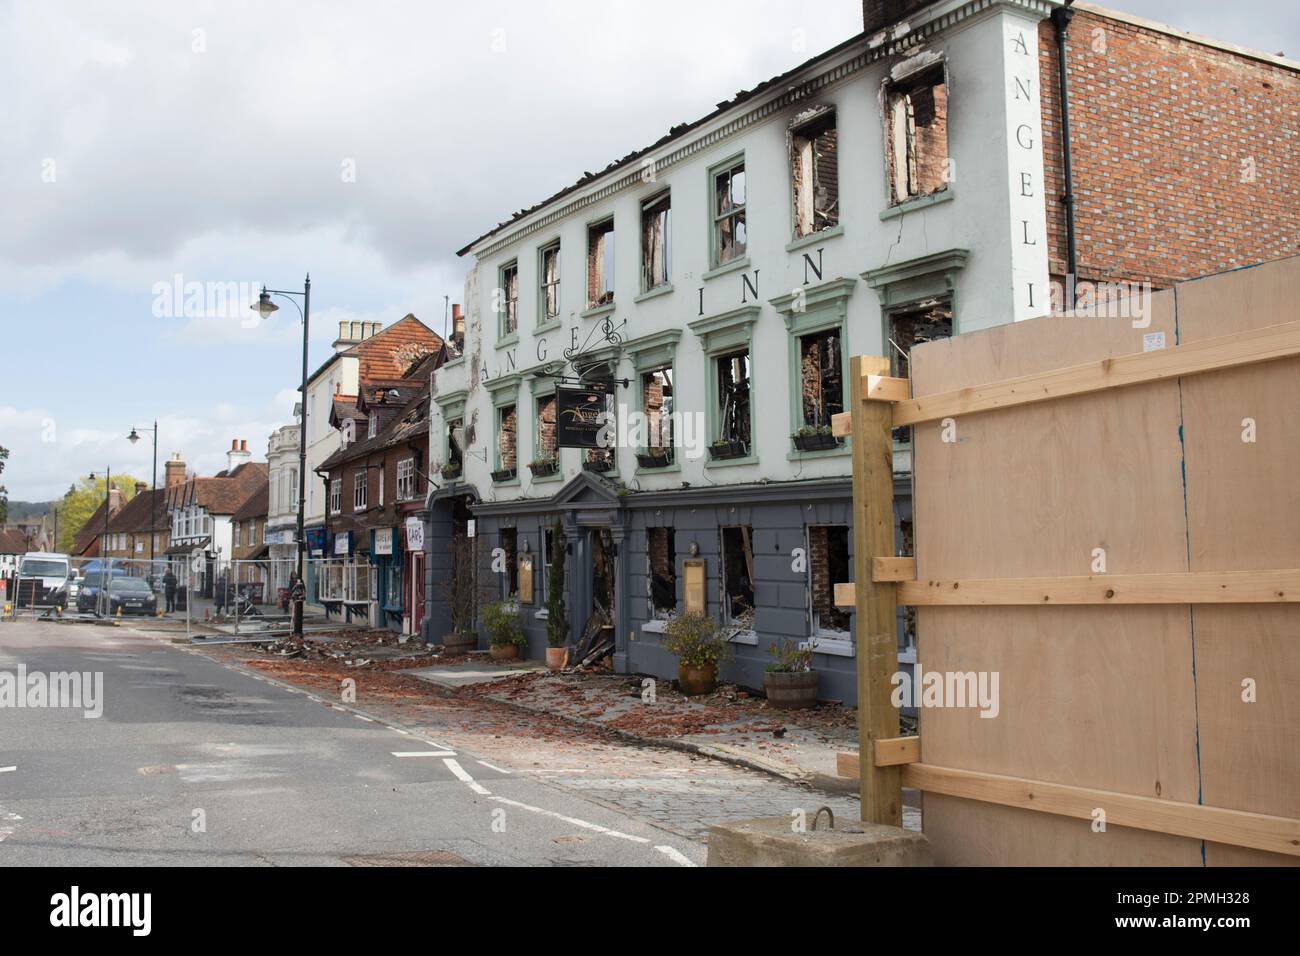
(731,462)
(803,242)
(748,638)
(548,325)
(506,341)
(557,475)
(831,646)
(653,627)
(920,202)
(796,455)
(735,265)
(665,470)
(596,311)
(655,292)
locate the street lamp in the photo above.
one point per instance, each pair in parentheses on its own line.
(105,565)
(153,492)
(266,308)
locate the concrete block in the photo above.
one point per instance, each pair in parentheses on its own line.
(770,841)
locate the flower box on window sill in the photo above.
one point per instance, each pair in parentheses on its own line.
(600,467)
(728,449)
(818,441)
(541,469)
(655,458)
(504,474)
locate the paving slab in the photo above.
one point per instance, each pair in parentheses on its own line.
(453,676)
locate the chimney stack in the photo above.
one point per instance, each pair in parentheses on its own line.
(457,326)
(141,487)
(174,471)
(114,500)
(237,455)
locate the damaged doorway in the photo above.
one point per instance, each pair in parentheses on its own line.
(602,574)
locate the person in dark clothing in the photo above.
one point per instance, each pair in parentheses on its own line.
(222,586)
(169,589)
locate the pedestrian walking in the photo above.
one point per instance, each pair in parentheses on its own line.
(222,585)
(169,589)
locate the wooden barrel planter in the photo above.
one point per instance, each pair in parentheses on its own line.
(792,691)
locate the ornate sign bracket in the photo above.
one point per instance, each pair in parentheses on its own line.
(609,335)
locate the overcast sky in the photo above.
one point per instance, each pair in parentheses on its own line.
(232,142)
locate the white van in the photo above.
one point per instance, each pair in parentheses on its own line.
(43,579)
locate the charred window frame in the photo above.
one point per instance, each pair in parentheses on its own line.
(508,437)
(656,242)
(509,538)
(508,305)
(916,120)
(454,455)
(600,264)
(548,284)
(657,411)
(821,377)
(922,321)
(814,172)
(729,232)
(545,437)
(737,564)
(734,376)
(661,562)
(828,564)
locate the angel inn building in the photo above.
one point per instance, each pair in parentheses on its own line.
(714,286)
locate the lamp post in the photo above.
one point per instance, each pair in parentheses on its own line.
(265,308)
(153,492)
(105,565)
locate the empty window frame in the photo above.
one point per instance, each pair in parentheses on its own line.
(360,489)
(549,289)
(656,242)
(657,406)
(510,545)
(730,236)
(910,325)
(507,435)
(814,173)
(821,378)
(600,264)
(735,415)
(917,135)
(661,548)
(548,440)
(508,301)
(738,575)
(828,564)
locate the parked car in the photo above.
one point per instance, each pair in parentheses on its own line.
(88,591)
(43,579)
(131,596)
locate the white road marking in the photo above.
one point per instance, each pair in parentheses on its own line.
(466,779)
(424,753)
(491,767)
(573,820)
(369,720)
(676,857)
(399,730)
(7,769)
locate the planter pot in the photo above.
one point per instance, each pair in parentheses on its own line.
(598,466)
(504,652)
(791,691)
(730,449)
(694,681)
(660,459)
(541,469)
(451,475)
(557,657)
(505,474)
(459,643)
(816,442)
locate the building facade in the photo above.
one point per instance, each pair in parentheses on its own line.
(282,461)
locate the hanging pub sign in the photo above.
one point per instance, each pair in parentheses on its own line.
(583,416)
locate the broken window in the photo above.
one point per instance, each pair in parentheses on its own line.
(548,441)
(918,135)
(510,545)
(911,325)
(506,437)
(509,299)
(455,436)
(738,575)
(821,373)
(600,264)
(661,546)
(814,174)
(734,414)
(828,565)
(729,235)
(656,219)
(657,403)
(550,285)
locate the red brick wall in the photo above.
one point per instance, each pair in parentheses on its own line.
(1160,130)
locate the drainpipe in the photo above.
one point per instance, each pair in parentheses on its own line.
(1061,17)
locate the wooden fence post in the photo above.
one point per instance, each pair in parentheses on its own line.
(876,622)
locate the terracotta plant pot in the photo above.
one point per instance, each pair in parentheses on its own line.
(791,691)
(504,652)
(694,681)
(557,657)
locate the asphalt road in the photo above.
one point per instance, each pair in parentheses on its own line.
(195,763)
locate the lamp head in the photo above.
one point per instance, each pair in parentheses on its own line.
(264,306)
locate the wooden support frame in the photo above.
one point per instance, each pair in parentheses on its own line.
(1213,824)
(1229,351)
(875,620)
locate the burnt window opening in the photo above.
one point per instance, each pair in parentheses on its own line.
(923,321)
(657,403)
(907,550)
(510,299)
(730,237)
(550,283)
(661,544)
(821,374)
(918,135)
(734,410)
(828,565)
(455,435)
(738,575)
(600,264)
(510,545)
(548,441)
(814,174)
(507,418)
(656,223)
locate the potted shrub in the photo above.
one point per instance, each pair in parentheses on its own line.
(815,438)
(599,465)
(541,467)
(700,644)
(505,630)
(450,471)
(726,448)
(790,680)
(504,474)
(655,458)
(557,612)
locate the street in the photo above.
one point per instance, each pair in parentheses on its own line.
(200,762)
